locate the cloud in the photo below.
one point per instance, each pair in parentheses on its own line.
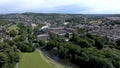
(60,6)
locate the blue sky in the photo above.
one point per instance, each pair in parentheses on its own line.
(61,6)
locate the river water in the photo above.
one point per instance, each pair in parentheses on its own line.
(59,60)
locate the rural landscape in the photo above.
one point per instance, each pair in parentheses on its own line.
(59,34)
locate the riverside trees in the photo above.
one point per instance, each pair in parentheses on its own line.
(88,51)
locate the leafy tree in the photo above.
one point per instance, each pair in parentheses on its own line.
(84,43)
(98,62)
(88,35)
(75,38)
(31,37)
(42,43)
(17,57)
(118,42)
(67,35)
(99,44)
(50,45)
(22,37)
(91,41)
(12,33)
(29,30)
(3,59)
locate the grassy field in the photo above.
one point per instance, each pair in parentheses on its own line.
(33,60)
(13,27)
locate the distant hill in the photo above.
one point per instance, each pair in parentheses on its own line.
(56,17)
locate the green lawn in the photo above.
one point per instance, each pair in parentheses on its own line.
(13,27)
(33,60)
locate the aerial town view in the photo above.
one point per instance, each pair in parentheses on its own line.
(59,34)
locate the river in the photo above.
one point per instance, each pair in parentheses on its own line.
(59,60)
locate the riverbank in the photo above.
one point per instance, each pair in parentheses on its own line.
(51,61)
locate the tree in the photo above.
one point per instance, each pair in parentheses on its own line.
(50,45)
(38,27)
(29,30)
(75,38)
(3,59)
(91,41)
(42,43)
(99,62)
(67,35)
(17,57)
(90,36)
(118,42)
(12,33)
(22,37)
(99,44)
(84,43)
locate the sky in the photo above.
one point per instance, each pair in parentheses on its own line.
(61,6)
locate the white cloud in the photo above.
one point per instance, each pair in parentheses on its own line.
(101,6)
(93,6)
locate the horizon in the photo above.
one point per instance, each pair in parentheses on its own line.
(60,6)
(58,13)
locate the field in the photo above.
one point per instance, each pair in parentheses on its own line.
(37,60)
(33,60)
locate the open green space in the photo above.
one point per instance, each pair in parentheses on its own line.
(33,60)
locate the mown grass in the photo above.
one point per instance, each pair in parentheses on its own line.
(33,60)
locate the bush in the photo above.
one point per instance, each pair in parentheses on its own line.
(42,43)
